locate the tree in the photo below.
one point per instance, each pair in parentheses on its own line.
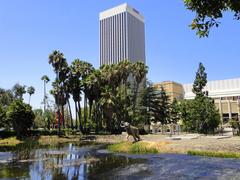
(21,116)
(30,91)
(6,97)
(174,111)
(200,81)
(139,71)
(200,115)
(209,12)
(93,84)
(39,121)
(187,115)
(164,106)
(86,70)
(18,91)
(45,80)
(75,88)
(150,104)
(58,61)
(3,120)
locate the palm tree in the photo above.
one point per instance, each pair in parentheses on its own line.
(139,70)
(18,91)
(125,70)
(57,60)
(108,103)
(86,70)
(45,80)
(76,88)
(30,91)
(93,84)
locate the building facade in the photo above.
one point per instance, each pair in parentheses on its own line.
(122,35)
(173,89)
(226,95)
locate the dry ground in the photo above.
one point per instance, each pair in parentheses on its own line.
(164,145)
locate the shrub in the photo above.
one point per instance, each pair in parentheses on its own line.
(21,116)
(4,122)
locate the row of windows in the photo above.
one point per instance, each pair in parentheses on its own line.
(121,38)
(113,39)
(234,98)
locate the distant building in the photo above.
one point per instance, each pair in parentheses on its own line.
(173,89)
(122,35)
(226,95)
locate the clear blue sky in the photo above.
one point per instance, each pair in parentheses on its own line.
(31,30)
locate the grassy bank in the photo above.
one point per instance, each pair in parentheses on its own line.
(214,154)
(9,142)
(137,148)
(12,142)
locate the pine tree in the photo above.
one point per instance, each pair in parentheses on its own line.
(150,104)
(200,81)
(174,111)
(164,107)
(205,115)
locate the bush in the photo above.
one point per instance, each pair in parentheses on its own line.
(21,116)
(4,123)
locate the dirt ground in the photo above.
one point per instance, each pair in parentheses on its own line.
(166,145)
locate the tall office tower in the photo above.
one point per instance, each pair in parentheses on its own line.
(121,35)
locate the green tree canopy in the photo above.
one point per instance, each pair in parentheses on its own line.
(18,91)
(200,115)
(208,13)
(21,116)
(200,81)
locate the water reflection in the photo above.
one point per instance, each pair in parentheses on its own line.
(63,162)
(71,161)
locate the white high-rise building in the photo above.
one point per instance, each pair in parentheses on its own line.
(122,35)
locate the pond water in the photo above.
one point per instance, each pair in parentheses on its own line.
(71,161)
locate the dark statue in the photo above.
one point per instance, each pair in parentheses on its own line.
(131,131)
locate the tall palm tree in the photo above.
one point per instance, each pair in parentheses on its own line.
(57,60)
(76,88)
(68,87)
(125,68)
(30,91)
(108,103)
(93,83)
(86,70)
(45,80)
(139,71)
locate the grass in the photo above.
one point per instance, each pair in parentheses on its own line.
(135,148)
(12,142)
(214,154)
(9,142)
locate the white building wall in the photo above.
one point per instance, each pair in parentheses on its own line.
(220,88)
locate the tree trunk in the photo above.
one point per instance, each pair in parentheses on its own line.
(44,98)
(70,112)
(85,112)
(63,118)
(80,117)
(76,115)
(90,110)
(59,124)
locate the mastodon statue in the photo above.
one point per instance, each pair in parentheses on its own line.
(131,131)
